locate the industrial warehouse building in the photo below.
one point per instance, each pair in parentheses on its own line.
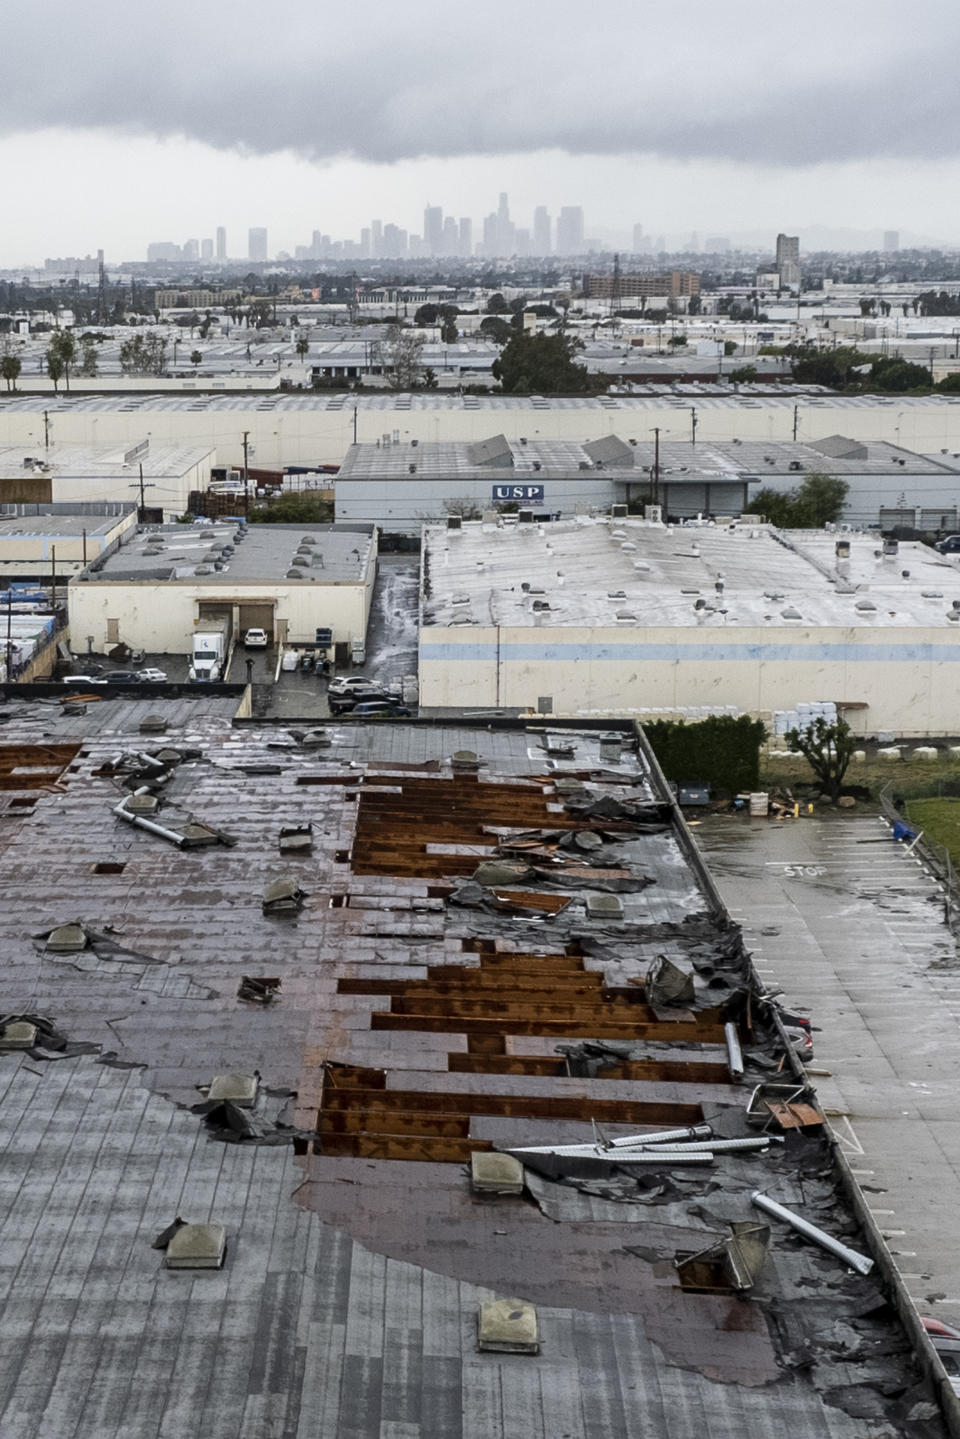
(398,1263)
(158,477)
(48,543)
(601,616)
(289,580)
(401,486)
(310,429)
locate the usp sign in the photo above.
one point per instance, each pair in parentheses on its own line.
(518,492)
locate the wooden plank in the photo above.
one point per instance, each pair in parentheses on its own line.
(393,1121)
(664,1071)
(448,1103)
(601,1027)
(473,982)
(402,1146)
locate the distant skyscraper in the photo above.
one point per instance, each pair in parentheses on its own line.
(788,259)
(490,235)
(466,236)
(542,231)
(506,242)
(376,238)
(450,238)
(164,250)
(191,249)
(221,243)
(433,229)
(891,241)
(206,249)
(257,244)
(394,242)
(637,239)
(570,231)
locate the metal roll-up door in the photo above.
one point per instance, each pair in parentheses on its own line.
(889,519)
(256,617)
(945,519)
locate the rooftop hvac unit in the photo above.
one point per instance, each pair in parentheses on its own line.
(653,513)
(618,512)
(525,517)
(412,469)
(454,522)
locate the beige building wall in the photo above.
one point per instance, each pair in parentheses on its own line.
(20,554)
(160,618)
(908,678)
(322,436)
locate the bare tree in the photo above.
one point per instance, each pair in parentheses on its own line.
(403,356)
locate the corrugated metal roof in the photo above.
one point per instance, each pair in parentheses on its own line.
(347,1303)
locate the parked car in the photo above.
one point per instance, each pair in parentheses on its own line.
(255,640)
(83,680)
(152,676)
(379,709)
(122,677)
(948,546)
(342,704)
(348,684)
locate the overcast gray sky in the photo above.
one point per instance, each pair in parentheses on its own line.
(120,124)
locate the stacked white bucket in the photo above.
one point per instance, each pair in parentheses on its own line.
(804,716)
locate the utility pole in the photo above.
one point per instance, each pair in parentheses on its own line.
(246,473)
(354,424)
(46,432)
(796,421)
(141,512)
(693,424)
(53,577)
(84,549)
(655,477)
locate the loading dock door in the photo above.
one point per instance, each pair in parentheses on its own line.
(257,617)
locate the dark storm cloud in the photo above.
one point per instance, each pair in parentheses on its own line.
(740,81)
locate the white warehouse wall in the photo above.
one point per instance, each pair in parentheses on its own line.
(909,678)
(307,431)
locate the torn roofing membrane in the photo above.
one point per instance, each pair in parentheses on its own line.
(424,1020)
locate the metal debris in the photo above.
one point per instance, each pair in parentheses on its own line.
(667,985)
(262,991)
(185,832)
(296,839)
(860,1262)
(165,1235)
(732,1264)
(283,896)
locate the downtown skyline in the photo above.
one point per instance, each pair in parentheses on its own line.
(747,124)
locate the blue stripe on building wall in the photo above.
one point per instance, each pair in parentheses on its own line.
(717,654)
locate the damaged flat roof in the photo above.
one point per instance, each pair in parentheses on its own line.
(427,1008)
